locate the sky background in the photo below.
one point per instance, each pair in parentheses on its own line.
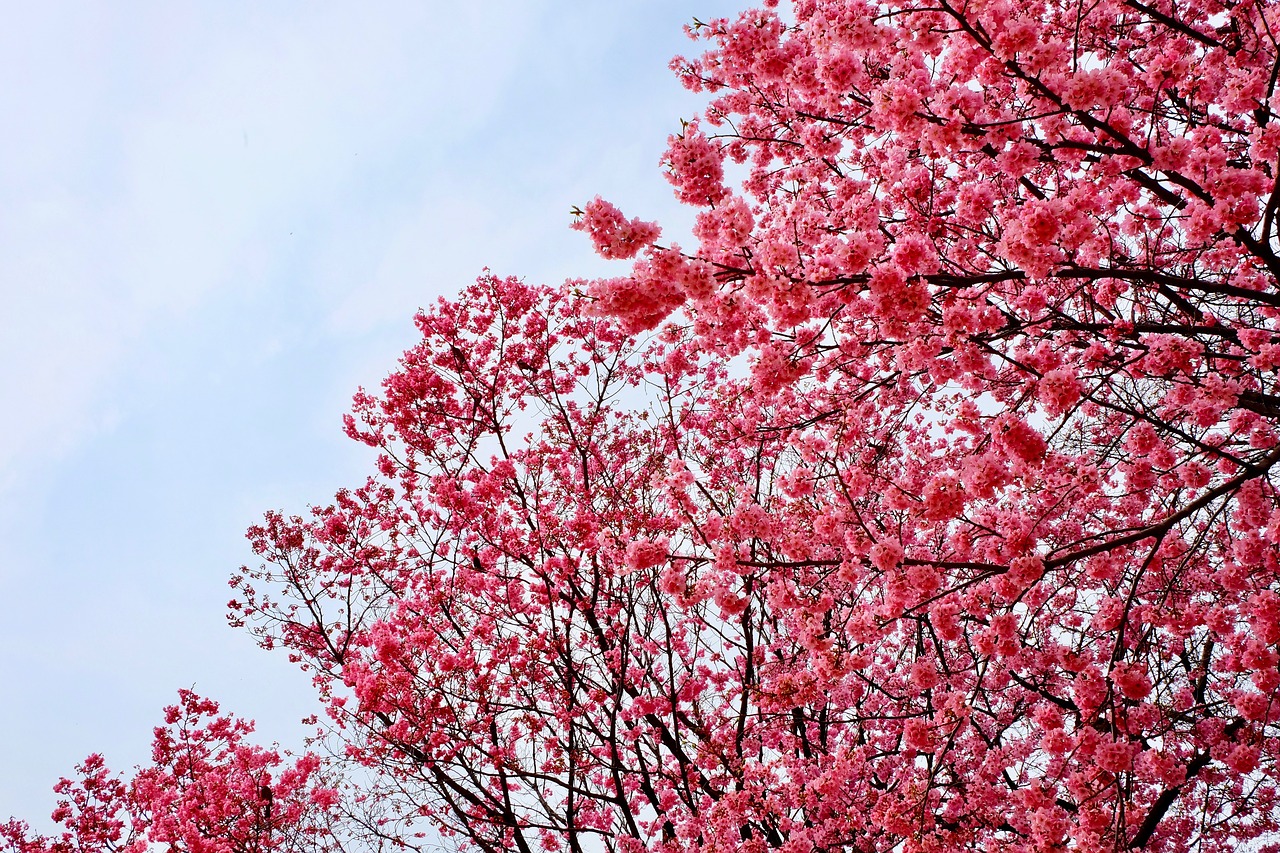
(217,220)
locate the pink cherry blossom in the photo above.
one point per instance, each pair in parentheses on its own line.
(927,503)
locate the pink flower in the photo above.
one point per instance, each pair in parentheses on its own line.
(1132,679)
(943,498)
(613,235)
(1059,390)
(886,556)
(643,554)
(696,167)
(1021,440)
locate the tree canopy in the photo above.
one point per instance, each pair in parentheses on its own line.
(926,503)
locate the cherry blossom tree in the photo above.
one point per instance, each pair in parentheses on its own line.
(926,503)
(929,504)
(207,791)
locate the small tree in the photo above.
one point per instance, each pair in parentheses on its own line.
(206,791)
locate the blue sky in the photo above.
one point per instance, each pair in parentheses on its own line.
(217,220)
